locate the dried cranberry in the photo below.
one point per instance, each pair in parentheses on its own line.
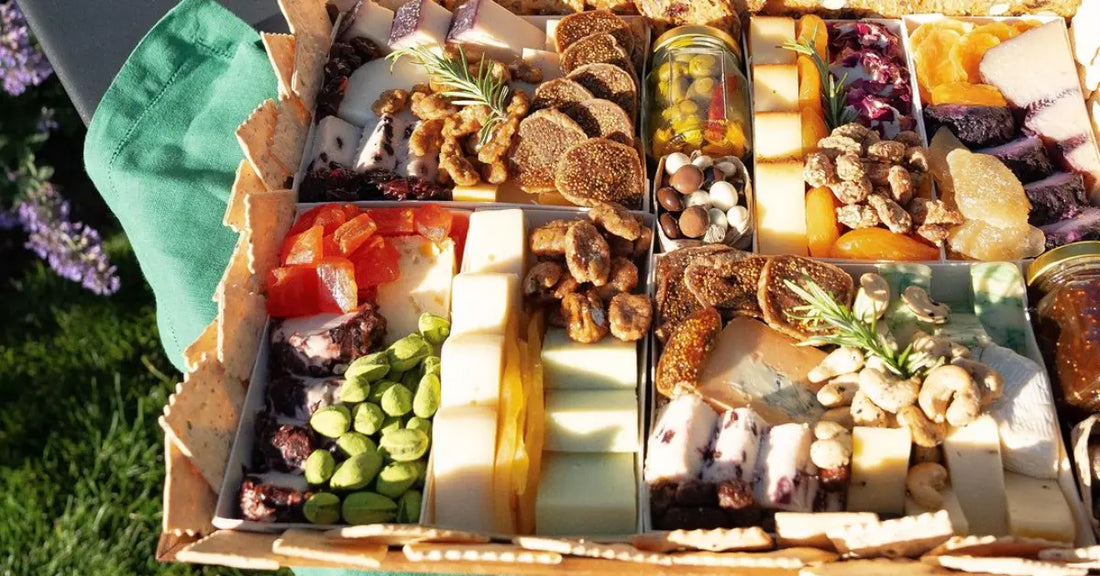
(735,495)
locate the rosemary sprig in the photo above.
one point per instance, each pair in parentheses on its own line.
(833,92)
(466,89)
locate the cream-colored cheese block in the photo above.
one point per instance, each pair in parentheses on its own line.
(586,495)
(496,242)
(775,88)
(484,303)
(424,285)
(766,36)
(592,420)
(419,23)
(880,463)
(1037,509)
(464,445)
(780,208)
(373,22)
(776,136)
(973,457)
(607,364)
(950,503)
(494,29)
(480,192)
(547,61)
(471,370)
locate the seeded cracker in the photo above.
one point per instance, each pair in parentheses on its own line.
(239,270)
(584,548)
(189,502)
(995,546)
(478,553)
(242,550)
(242,315)
(609,82)
(268,217)
(314,545)
(716,540)
(401,534)
(598,48)
(1087,554)
(310,56)
(542,138)
(256,136)
(599,170)
(246,182)
(875,567)
(906,537)
(291,128)
(280,50)
(808,529)
(205,345)
(602,119)
(575,27)
(306,18)
(558,93)
(1007,566)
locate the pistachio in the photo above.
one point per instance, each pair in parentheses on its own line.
(354,390)
(404,445)
(422,424)
(426,401)
(408,507)
(331,421)
(368,508)
(319,467)
(431,365)
(369,418)
(397,400)
(322,508)
(407,352)
(434,329)
(354,443)
(411,380)
(356,472)
(421,471)
(390,424)
(372,367)
(380,388)
(395,479)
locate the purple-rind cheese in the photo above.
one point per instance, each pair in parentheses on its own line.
(1084,226)
(1058,197)
(1025,156)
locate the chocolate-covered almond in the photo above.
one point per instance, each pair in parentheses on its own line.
(669,226)
(694,221)
(687,179)
(670,199)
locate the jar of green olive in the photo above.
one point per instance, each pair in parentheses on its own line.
(696,95)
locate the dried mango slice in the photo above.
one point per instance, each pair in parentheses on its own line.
(1022,26)
(967,93)
(811,24)
(999,29)
(534,426)
(967,53)
(511,392)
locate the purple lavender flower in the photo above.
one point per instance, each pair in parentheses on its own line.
(22,64)
(72,249)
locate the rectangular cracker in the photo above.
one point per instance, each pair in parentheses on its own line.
(909,536)
(310,55)
(873,567)
(291,128)
(786,559)
(995,546)
(314,545)
(401,534)
(808,529)
(189,503)
(584,548)
(504,553)
(1006,566)
(280,51)
(306,17)
(717,540)
(1087,554)
(201,418)
(205,345)
(242,550)
(243,314)
(268,217)
(247,182)
(256,135)
(238,272)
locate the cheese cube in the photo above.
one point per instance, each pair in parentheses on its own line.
(607,364)
(373,22)
(464,445)
(775,88)
(484,303)
(545,60)
(424,285)
(777,136)
(496,242)
(586,495)
(335,143)
(1038,509)
(973,457)
(592,420)
(480,192)
(766,35)
(471,370)
(780,208)
(950,503)
(494,29)
(419,23)
(679,441)
(880,463)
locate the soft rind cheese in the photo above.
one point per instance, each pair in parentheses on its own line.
(419,23)
(471,370)
(484,303)
(1025,414)
(972,454)
(464,446)
(373,22)
(1038,509)
(784,474)
(776,136)
(495,30)
(592,421)
(766,36)
(424,285)
(880,464)
(775,88)
(780,208)
(368,82)
(679,440)
(496,242)
(605,365)
(335,143)
(586,495)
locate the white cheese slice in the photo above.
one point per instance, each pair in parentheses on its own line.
(471,370)
(592,421)
(464,447)
(880,463)
(373,22)
(776,136)
(607,364)
(1024,414)
(496,242)
(336,142)
(586,494)
(766,36)
(973,457)
(775,88)
(368,82)
(1038,509)
(780,208)
(424,285)
(493,28)
(679,440)
(419,23)
(784,478)
(484,303)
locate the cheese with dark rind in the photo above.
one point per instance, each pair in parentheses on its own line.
(494,30)
(419,23)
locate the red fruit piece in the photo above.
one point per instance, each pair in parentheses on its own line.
(433,222)
(376,262)
(328,216)
(460,225)
(337,291)
(304,248)
(292,291)
(351,210)
(353,233)
(394,221)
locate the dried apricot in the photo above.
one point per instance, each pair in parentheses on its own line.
(1022,26)
(968,51)
(933,62)
(813,129)
(882,244)
(918,36)
(967,93)
(822,229)
(813,26)
(999,29)
(809,84)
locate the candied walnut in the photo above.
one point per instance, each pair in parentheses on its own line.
(468,120)
(925,211)
(934,233)
(853,130)
(877,172)
(909,138)
(456,52)
(623,278)
(819,169)
(840,145)
(390,102)
(857,216)
(495,172)
(431,107)
(901,185)
(849,167)
(630,316)
(566,286)
(462,171)
(519,105)
(852,192)
(585,318)
(616,220)
(916,159)
(424,89)
(427,137)
(540,280)
(871,137)
(549,239)
(523,71)
(891,214)
(735,495)
(587,254)
(620,246)
(887,151)
(644,241)
(500,140)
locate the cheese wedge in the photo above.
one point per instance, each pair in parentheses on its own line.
(1038,509)
(775,88)
(780,208)
(607,364)
(592,420)
(586,494)
(766,35)
(776,136)
(496,242)
(424,285)
(880,463)
(495,30)
(950,503)
(373,22)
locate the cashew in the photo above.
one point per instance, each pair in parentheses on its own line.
(923,306)
(842,416)
(873,297)
(924,483)
(887,390)
(938,346)
(839,391)
(949,393)
(926,454)
(992,384)
(831,453)
(827,430)
(866,413)
(843,360)
(924,431)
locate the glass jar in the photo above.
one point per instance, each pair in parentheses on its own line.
(696,95)
(1065,287)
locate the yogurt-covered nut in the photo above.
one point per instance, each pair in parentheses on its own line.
(675,161)
(702,162)
(723,195)
(698,198)
(738,218)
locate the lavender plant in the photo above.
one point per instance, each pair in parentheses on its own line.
(22,64)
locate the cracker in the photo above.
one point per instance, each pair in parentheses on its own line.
(280,51)
(306,18)
(310,56)
(577,547)
(506,553)
(1087,554)
(1007,566)
(787,559)
(238,271)
(256,136)
(717,540)
(169,544)
(291,128)
(242,550)
(908,536)
(201,418)
(994,546)
(808,528)
(401,534)
(205,345)
(243,314)
(872,567)
(247,182)
(268,217)
(189,503)
(314,545)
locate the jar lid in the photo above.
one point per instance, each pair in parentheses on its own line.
(1045,264)
(698,30)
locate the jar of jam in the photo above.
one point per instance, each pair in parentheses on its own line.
(696,95)
(1065,288)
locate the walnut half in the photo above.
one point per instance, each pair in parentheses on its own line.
(585,318)
(630,316)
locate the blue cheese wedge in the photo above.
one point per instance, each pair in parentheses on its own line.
(1024,414)
(964,328)
(999,295)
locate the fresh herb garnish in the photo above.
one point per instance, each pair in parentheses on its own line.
(465,89)
(833,92)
